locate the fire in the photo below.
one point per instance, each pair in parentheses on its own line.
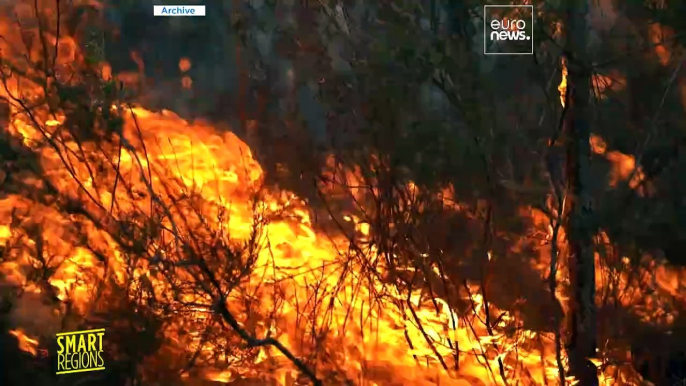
(135,218)
(658,34)
(602,84)
(562,88)
(27,344)
(371,340)
(184,64)
(623,165)
(186,82)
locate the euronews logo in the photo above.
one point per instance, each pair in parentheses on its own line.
(508,30)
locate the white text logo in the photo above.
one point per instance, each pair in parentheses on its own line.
(508,29)
(179,10)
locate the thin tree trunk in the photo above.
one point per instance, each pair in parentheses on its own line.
(582,344)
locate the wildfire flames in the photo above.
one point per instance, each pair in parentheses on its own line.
(201,188)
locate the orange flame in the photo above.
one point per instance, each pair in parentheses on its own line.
(658,34)
(27,344)
(184,64)
(562,88)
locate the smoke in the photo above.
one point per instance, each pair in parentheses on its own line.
(35,315)
(160,43)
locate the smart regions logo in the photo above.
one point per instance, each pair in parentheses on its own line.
(508,29)
(80,351)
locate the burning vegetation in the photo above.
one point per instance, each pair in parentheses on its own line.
(165,233)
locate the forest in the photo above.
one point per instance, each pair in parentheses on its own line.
(344,192)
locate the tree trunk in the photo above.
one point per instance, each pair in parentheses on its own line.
(582,343)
